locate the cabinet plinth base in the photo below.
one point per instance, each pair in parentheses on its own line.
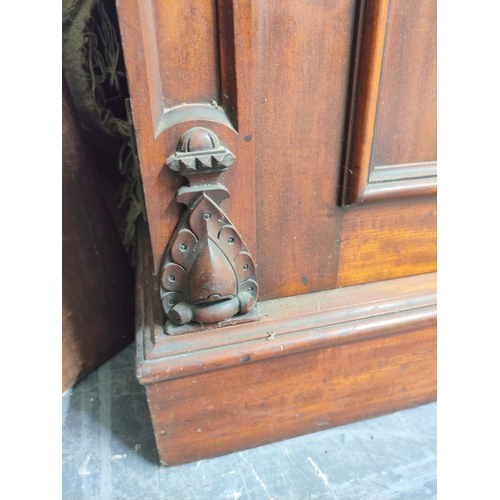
(312,362)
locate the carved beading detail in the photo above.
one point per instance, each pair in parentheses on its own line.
(208,275)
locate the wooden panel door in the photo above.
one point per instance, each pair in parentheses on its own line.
(327,113)
(393,126)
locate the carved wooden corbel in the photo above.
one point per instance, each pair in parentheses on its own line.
(208,275)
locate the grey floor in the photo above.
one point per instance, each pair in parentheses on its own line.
(109,453)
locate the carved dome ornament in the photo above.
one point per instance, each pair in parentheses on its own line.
(207,275)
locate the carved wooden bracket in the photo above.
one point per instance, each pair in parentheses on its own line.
(207,275)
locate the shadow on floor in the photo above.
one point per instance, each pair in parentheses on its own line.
(113,400)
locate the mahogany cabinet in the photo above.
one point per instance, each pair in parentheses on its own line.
(288,157)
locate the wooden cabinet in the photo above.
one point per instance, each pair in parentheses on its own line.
(318,119)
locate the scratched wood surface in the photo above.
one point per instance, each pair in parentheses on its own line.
(109,453)
(276,82)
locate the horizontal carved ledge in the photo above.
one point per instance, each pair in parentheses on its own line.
(287,326)
(393,182)
(193,112)
(404,171)
(397,190)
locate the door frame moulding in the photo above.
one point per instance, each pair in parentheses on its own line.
(382,182)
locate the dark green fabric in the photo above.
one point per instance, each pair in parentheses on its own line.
(93,67)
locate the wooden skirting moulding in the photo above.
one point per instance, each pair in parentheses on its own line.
(311,362)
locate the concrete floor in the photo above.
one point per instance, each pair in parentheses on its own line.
(109,453)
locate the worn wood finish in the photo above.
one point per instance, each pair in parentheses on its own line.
(307,87)
(388,240)
(316,360)
(207,275)
(369,47)
(302,76)
(97,282)
(284,65)
(405,128)
(287,326)
(394,118)
(199,73)
(265,51)
(223,411)
(198,61)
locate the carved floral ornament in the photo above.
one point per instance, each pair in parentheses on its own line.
(207,275)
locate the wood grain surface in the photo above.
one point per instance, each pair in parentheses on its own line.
(302,76)
(312,362)
(406,123)
(281,77)
(367,61)
(348,310)
(287,326)
(393,120)
(222,411)
(388,240)
(207,80)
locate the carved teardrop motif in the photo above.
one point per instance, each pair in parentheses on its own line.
(208,274)
(212,277)
(207,262)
